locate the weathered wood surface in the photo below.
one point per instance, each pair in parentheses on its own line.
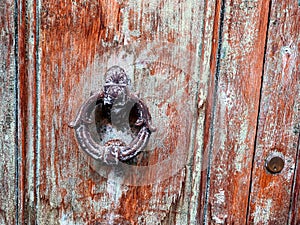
(156,43)
(208,58)
(242,29)
(294,215)
(208,70)
(28,113)
(8,106)
(279,117)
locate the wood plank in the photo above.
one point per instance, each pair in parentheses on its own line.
(27,109)
(242,34)
(279,117)
(209,67)
(156,42)
(294,214)
(8,194)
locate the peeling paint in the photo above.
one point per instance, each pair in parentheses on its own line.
(74,38)
(241,147)
(262,212)
(114,190)
(220,197)
(218,220)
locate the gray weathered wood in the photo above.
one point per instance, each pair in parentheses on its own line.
(8,192)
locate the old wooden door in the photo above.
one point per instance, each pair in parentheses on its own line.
(221,80)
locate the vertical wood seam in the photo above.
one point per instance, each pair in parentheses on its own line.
(215,87)
(27,106)
(292,201)
(192,147)
(258,113)
(16,50)
(208,106)
(37,105)
(21,172)
(195,125)
(192,160)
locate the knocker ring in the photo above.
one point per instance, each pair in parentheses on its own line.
(106,115)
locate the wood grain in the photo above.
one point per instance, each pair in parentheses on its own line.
(27,109)
(8,194)
(294,214)
(208,70)
(156,43)
(279,118)
(208,66)
(242,34)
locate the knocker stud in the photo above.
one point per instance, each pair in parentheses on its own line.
(113,125)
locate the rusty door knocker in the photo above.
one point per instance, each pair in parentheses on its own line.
(114,107)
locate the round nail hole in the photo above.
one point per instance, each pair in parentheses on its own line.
(275,163)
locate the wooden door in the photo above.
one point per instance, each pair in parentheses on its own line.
(221,81)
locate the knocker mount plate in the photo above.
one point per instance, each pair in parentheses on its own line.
(114,124)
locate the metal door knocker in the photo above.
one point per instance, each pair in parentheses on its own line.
(113,125)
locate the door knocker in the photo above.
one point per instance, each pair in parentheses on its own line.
(113,125)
